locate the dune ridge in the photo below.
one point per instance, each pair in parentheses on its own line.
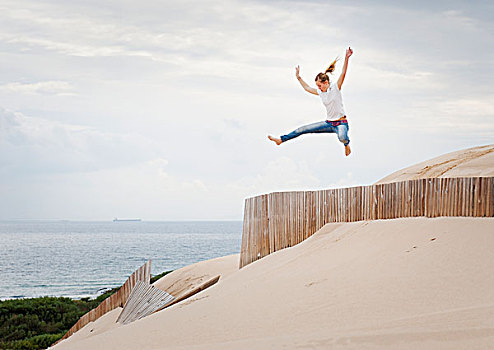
(475,161)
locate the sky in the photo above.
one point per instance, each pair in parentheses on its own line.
(160,110)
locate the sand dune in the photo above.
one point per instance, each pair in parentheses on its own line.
(176,283)
(406,283)
(476,161)
(414,283)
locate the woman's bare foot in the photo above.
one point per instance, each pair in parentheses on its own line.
(347,150)
(274,139)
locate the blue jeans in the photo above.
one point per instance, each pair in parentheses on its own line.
(320,127)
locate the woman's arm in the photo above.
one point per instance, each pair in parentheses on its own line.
(303,83)
(349,52)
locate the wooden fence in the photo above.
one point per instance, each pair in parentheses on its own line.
(115,300)
(143,301)
(282,219)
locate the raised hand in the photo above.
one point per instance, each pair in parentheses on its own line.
(297,72)
(349,52)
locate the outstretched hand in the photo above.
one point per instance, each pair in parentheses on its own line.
(349,52)
(297,72)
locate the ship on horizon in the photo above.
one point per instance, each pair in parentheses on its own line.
(120,220)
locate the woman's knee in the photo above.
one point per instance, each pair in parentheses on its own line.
(343,136)
(301,130)
(344,140)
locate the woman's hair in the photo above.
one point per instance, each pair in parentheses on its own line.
(322,77)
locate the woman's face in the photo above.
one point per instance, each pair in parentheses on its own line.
(323,86)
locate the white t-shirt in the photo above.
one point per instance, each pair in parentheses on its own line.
(332,101)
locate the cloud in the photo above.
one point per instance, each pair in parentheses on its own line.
(280,174)
(473,115)
(468,107)
(181,95)
(161,182)
(226,37)
(249,41)
(32,146)
(59,88)
(146,190)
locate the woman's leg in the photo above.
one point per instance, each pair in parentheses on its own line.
(315,128)
(342,132)
(319,127)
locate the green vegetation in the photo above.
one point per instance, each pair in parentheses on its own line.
(36,323)
(157,277)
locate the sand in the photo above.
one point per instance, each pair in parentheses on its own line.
(177,283)
(101,325)
(476,161)
(387,284)
(411,283)
(187,278)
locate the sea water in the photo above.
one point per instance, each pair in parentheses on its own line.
(79,259)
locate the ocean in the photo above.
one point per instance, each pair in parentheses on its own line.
(82,259)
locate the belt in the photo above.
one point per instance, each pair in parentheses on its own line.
(337,122)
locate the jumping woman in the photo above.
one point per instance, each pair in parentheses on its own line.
(330,94)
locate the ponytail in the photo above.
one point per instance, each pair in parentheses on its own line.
(322,77)
(332,66)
